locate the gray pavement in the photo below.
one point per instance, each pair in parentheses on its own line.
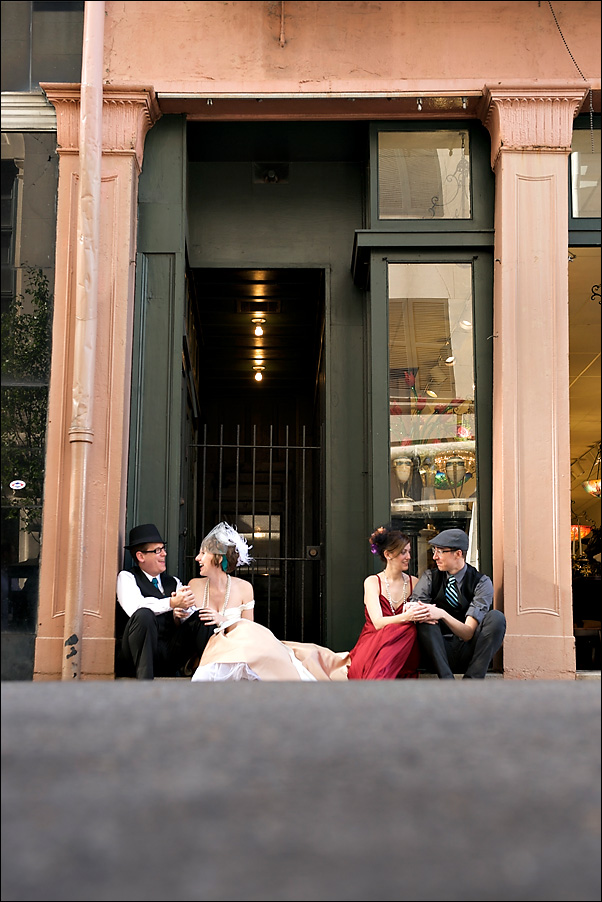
(406,790)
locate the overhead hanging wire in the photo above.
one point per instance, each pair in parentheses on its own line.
(591,93)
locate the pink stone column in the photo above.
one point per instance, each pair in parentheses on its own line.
(531,133)
(126,118)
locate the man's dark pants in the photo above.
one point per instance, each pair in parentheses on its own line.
(447,655)
(158,646)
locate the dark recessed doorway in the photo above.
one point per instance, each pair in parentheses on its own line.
(254,446)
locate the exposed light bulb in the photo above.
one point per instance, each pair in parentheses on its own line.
(258,377)
(258,322)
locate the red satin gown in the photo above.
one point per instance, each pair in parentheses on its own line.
(390,653)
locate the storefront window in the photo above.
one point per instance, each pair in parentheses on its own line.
(431,394)
(41,41)
(29,186)
(585,174)
(424,175)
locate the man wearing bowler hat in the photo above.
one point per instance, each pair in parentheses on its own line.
(163,631)
(464,631)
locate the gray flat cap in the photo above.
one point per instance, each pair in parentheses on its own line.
(451,538)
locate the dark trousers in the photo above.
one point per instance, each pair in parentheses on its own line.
(446,655)
(157,645)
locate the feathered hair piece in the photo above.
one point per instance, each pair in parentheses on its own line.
(224,536)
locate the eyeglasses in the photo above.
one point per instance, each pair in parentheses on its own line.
(159,550)
(442,550)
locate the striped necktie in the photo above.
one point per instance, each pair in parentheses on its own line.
(155,582)
(451,592)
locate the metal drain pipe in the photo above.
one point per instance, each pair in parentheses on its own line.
(81,431)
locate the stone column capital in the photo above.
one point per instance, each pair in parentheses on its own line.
(538,119)
(127,115)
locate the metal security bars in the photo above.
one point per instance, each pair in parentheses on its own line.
(269,487)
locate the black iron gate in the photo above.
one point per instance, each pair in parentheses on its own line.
(268,485)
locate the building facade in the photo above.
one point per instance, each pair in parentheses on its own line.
(312,268)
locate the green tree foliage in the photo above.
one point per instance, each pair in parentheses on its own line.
(26,349)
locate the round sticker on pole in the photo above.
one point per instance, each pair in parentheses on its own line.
(17,484)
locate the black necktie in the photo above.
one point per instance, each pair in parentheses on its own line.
(451,592)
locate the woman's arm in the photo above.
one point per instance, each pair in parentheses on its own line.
(408,614)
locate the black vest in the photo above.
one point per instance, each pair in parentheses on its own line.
(465,592)
(148,590)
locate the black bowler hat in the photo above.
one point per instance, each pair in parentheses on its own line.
(140,535)
(451,538)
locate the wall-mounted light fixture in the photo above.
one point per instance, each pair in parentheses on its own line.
(258,369)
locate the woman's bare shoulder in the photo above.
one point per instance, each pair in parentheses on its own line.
(242,586)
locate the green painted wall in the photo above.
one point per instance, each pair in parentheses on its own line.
(231,221)
(156,412)
(307,222)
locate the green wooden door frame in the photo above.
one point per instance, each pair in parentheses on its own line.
(156,401)
(378,338)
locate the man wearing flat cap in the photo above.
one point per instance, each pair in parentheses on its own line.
(464,631)
(163,631)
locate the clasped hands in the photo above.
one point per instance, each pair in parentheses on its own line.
(183,603)
(421,612)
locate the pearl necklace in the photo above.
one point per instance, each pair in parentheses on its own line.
(226,599)
(395,607)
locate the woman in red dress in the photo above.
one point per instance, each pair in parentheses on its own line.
(387,648)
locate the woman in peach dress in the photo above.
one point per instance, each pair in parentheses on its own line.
(240,648)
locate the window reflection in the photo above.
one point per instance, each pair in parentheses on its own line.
(585,173)
(29,170)
(424,175)
(41,42)
(431,392)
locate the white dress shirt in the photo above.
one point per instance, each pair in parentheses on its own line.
(131,598)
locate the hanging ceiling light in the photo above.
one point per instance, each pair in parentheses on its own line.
(592,483)
(258,372)
(447,355)
(258,322)
(430,391)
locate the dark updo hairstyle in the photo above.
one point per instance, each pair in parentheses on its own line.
(385,538)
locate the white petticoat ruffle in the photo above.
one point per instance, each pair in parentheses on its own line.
(219,672)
